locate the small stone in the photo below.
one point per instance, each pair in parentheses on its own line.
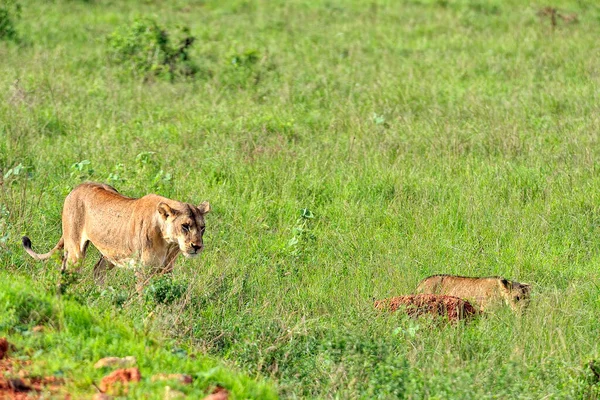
(173,394)
(181,378)
(119,362)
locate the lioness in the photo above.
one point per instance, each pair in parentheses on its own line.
(483,291)
(148,232)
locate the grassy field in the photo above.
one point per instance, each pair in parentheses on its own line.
(348,149)
(73,338)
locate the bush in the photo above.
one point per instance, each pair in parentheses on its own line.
(145,48)
(10,12)
(163,290)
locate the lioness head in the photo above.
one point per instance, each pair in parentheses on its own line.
(518,294)
(184,225)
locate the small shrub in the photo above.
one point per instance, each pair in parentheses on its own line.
(10,12)
(82,170)
(243,69)
(303,234)
(146,48)
(163,290)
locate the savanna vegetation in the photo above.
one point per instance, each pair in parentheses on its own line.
(348,150)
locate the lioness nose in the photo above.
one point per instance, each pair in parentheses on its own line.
(196,247)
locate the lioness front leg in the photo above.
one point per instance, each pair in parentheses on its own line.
(100,269)
(143,276)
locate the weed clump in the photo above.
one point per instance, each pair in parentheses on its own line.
(163,290)
(147,49)
(10,12)
(246,69)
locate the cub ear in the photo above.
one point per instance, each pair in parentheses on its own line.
(204,207)
(506,283)
(164,210)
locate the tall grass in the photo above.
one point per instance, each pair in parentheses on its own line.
(423,137)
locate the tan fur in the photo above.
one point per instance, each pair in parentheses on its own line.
(149,232)
(485,292)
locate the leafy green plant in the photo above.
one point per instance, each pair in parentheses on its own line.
(164,290)
(18,171)
(245,59)
(146,48)
(10,12)
(4,233)
(302,232)
(82,170)
(117,297)
(117,175)
(242,68)
(162,180)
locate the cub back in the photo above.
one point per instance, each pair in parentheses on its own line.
(484,291)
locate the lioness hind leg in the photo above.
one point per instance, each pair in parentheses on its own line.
(65,258)
(73,255)
(100,269)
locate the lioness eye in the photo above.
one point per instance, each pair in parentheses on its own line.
(185,227)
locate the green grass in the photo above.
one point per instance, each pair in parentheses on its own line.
(74,337)
(426,137)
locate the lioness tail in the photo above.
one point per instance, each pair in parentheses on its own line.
(27,246)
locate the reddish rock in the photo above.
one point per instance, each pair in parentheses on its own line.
(120,378)
(218,394)
(453,308)
(16,382)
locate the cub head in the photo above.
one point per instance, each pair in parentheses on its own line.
(184,225)
(517,294)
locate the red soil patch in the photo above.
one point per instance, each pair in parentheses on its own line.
(118,380)
(15,382)
(218,394)
(435,304)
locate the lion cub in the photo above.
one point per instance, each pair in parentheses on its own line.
(483,291)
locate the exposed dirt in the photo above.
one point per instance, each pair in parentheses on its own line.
(453,308)
(3,347)
(117,381)
(15,382)
(218,394)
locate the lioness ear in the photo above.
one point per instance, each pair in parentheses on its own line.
(506,283)
(165,210)
(204,207)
